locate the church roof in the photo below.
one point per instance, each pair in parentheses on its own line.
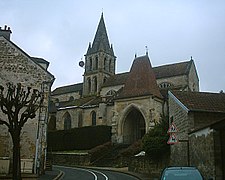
(68,89)
(202,101)
(101,41)
(164,71)
(170,70)
(141,80)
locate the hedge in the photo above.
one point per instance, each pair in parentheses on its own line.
(83,138)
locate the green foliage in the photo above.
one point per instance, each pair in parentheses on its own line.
(78,138)
(155,141)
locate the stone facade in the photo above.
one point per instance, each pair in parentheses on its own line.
(130,102)
(200,141)
(17,66)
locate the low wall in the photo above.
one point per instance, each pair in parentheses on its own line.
(144,165)
(80,159)
(4,165)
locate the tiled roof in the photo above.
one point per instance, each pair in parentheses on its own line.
(141,80)
(170,70)
(68,89)
(76,102)
(202,101)
(164,71)
(117,79)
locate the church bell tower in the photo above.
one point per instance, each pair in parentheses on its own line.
(99,61)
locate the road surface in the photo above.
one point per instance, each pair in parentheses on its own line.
(73,173)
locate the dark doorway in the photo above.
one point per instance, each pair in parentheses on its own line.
(133,127)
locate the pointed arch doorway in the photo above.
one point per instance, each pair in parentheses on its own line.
(134,127)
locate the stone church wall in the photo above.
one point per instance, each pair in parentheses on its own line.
(61,115)
(176,81)
(193,80)
(150,109)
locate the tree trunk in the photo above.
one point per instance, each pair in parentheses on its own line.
(16,155)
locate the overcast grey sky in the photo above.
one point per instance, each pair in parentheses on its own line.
(174,30)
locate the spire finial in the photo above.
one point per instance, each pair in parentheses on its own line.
(146,48)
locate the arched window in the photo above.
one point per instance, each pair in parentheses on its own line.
(110,62)
(67,121)
(105,62)
(104,80)
(80,119)
(111,93)
(95,84)
(96,63)
(90,60)
(88,85)
(93,118)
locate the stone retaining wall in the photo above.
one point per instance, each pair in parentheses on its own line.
(144,165)
(79,159)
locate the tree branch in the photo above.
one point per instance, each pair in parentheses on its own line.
(2,122)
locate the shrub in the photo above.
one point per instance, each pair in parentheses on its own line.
(78,138)
(100,150)
(155,141)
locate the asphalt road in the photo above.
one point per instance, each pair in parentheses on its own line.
(73,173)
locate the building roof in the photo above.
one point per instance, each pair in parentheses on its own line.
(75,103)
(164,71)
(68,89)
(175,69)
(101,41)
(201,101)
(141,80)
(117,79)
(170,70)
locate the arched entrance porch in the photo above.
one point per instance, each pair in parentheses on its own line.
(134,127)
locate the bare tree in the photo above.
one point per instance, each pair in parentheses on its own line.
(18,104)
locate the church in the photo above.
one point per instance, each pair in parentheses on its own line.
(130,102)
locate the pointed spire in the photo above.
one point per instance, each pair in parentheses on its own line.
(101,41)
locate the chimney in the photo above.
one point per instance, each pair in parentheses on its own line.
(5,32)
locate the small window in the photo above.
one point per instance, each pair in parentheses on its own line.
(93,118)
(67,121)
(71,98)
(165,85)
(111,93)
(80,119)
(90,64)
(95,85)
